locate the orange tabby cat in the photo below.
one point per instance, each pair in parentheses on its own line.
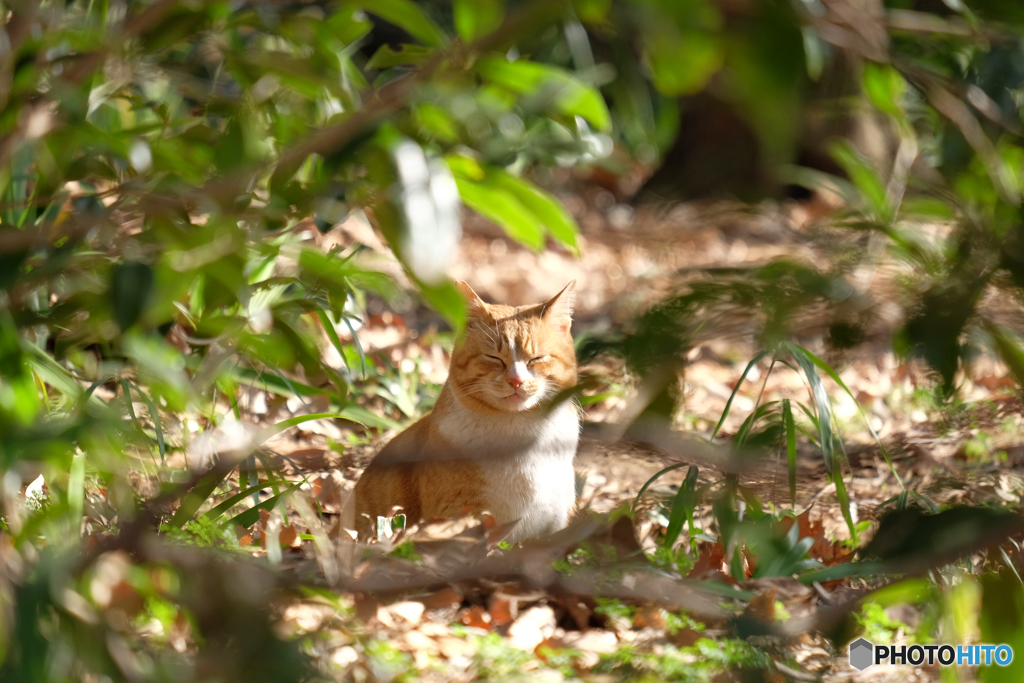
(492,442)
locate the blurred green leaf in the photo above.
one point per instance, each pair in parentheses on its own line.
(568,94)
(545,208)
(787,418)
(131,284)
(735,390)
(386,56)
(592,10)
(885,87)
(494,202)
(823,404)
(1001,622)
(682,508)
(682,64)
(1009,348)
(863,176)
(476,18)
(653,479)
(249,517)
(161,366)
(446,299)
(407,15)
(834,376)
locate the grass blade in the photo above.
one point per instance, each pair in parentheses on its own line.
(682,508)
(55,374)
(844,503)
(739,383)
(332,334)
(252,515)
(835,378)
(131,408)
(155,416)
(355,340)
(76,491)
(277,385)
(204,488)
(198,495)
(748,424)
(846,570)
(214,513)
(790,426)
(824,405)
(653,479)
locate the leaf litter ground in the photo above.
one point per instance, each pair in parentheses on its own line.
(446,601)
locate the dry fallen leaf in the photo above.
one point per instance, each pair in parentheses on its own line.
(477,617)
(578,610)
(501,610)
(345,655)
(366,607)
(762,607)
(649,616)
(446,598)
(452,647)
(307,617)
(409,610)
(531,628)
(334,491)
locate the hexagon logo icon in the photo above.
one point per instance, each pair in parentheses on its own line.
(862,654)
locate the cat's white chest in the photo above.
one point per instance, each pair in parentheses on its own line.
(526,461)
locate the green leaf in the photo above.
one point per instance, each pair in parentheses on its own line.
(130,285)
(814,179)
(161,366)
(204,488)
(744,430)
(846,570)
(865,178)
(1009,348)
(386,57)
(544,207)
(407,15)
(495,203)
(682,508)
(214,513)
(682,64)
(476,18)
(569,95)
(76,489)
(446,299)
(154,415)
(55,374)
(465,167)
(252,515)
(885,87)
(436,122)
(657,475)
(844,503)
(592,10)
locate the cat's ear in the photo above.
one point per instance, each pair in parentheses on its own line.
(475,306)
(558,311)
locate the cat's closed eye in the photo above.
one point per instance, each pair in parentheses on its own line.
(538,359)
(496,359)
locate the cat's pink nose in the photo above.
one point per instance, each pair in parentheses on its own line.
(515,382)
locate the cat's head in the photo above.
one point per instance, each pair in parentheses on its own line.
(513,358)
